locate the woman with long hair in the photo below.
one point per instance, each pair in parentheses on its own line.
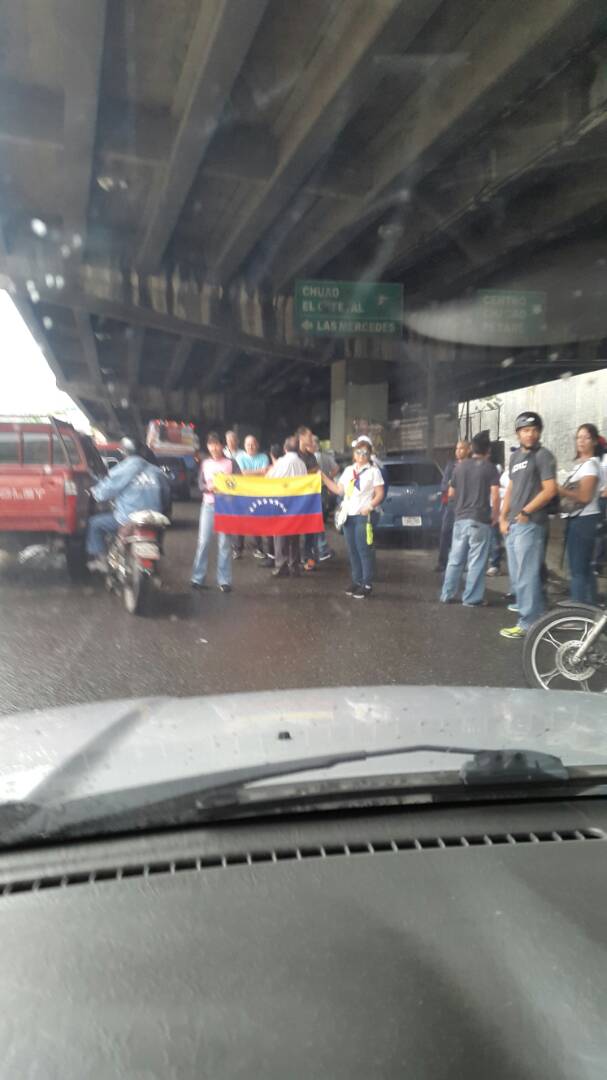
(580,503)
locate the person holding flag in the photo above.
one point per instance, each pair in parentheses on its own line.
(362,488)
(285,504)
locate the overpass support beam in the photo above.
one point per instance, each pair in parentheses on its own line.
(359,391)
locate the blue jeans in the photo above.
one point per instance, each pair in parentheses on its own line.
(362,554)
(471,542)
(496,551)
(315,545)
(581,540)
(99,527)
(525,548)
(224,549)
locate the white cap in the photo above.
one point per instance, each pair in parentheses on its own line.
(362,438)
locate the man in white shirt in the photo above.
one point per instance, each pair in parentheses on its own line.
(286,548)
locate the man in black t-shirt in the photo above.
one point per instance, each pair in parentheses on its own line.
(475,489)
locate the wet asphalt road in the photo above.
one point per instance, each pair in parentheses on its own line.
(62,643)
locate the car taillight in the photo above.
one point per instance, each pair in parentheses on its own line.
(70,487)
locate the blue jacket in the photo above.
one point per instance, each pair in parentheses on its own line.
(132,485)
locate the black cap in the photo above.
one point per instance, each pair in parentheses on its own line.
(528,419)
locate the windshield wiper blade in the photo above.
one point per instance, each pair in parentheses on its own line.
(217,790)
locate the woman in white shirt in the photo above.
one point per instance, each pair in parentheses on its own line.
(580,500)
(362,487)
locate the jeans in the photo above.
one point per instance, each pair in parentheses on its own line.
(224,549)
(237,543)
(581,540)
(99,527)
(446,534)
(496,550)
(525,549)
(286,551)
(362,554)
(315,545)
(471,542)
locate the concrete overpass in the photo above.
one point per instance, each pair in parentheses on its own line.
(168,170)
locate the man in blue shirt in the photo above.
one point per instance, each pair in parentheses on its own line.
(255,464)
(132,485)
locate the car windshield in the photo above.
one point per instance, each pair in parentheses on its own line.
(425,473)
(303,390)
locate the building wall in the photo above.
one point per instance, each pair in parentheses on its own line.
(563,404)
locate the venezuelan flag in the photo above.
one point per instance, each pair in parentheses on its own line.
(263,506)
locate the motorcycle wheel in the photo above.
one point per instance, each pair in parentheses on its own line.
(550,645)
(136,588)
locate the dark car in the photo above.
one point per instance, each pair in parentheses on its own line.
(176,470)
(412,504)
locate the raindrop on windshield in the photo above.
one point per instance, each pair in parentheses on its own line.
(38,227)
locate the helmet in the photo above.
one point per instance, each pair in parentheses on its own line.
(528,419)
(128,446)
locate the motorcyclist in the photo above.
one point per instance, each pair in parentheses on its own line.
(134,484)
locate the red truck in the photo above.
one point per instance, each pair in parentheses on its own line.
(46,470)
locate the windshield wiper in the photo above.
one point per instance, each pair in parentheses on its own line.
(127,807)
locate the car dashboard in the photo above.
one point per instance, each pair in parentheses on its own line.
(434,942)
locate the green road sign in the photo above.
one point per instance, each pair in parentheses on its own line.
(348,308)
(516,314)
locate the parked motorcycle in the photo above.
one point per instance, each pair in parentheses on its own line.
(133,559)
(567,649)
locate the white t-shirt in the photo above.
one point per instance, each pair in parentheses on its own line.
(289,464)
(358,497)
(588,468)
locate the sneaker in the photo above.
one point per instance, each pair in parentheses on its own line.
(513,608)
(358,593)
(493,571)
(225,588)
(198,585)
(237,554)
(280,571)
(352,589)
(270,556)
(479,603)
(368,589)
(515,632)
(310,565)
(327,555)
(259,554)
(267,564)
(449,600)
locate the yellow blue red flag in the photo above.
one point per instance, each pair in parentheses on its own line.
(263,506)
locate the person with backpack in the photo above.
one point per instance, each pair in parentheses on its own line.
(523,519)
(580,505)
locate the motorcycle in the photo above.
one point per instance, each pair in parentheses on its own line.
(133,559)
(566,649)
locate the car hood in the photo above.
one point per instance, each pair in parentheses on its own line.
(85,750)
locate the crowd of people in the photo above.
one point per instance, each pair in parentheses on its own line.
(484,510)
(360,489)
(486,514)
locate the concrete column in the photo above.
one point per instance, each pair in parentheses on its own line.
(359,389)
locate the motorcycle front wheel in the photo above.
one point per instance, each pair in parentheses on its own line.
(551,644)
(136,587)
